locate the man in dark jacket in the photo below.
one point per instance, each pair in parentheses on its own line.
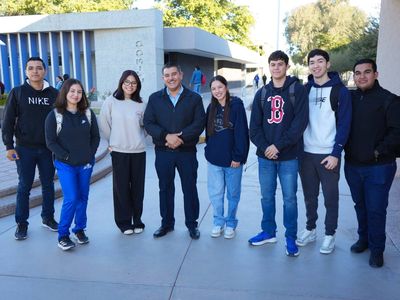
(175,118)
(370,160)
(25,113)
(278,118)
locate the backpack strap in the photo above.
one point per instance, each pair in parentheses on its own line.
(292,95)
(263,95)
(334,96)
(59,119)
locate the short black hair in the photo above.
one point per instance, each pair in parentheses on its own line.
(278,55)
(316,52)
(171,65)
(36,58)
(366,61)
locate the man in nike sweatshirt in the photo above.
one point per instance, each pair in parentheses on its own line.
(24,116)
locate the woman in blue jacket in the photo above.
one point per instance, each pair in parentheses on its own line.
(227,139)
(73,136)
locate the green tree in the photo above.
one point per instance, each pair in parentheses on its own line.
(37,7)
(327,24)
(220,17)
(343,58)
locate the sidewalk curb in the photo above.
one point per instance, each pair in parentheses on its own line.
(7,202)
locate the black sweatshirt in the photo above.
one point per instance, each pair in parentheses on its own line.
(76,144)
(25,113)
(375,126)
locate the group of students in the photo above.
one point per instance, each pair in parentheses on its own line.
(303,129)
(296,128)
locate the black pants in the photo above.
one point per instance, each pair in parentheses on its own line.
(312,174)
(186,164)
(128,188)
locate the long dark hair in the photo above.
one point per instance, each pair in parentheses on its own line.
(119,92)
(61,101)
(214,104)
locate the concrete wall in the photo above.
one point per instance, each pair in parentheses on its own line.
(235,73)
(388,56)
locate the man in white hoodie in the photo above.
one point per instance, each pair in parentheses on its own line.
(324,138)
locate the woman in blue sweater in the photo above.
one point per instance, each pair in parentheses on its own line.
(227,139)
(73,136)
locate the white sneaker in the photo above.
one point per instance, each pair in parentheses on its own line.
(306,236)
(229,233)
(128,232)
(328,245)
(216,231)
(138,230)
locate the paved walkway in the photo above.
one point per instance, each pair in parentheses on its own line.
(114,266)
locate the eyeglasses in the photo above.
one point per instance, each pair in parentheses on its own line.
(132,83)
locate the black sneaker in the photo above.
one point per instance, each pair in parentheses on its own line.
(376,260)
(50,224)
(21,233)
(359,246)
(81,237)
(65,243)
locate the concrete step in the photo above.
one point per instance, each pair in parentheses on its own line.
(101,168)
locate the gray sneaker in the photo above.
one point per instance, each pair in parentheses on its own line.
(328,245)
(306,236)
(50,224)
(65,243)
(21,233)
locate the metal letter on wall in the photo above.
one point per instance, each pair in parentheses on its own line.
(139,59)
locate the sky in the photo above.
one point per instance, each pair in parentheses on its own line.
(265,13)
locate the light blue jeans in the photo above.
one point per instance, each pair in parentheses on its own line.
(220,178)
(268,172)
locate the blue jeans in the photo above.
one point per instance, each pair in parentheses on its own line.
(75,181)
(369,186)
(218,179)
(29,158)
(197,87)
(186,164)
(268,171)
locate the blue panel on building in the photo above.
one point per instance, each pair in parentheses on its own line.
(34,50)
(4,67)
(44,50)
(65,60)
(23,53)
(54,57)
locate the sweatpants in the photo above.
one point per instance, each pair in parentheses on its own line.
(75,181)
(312,174)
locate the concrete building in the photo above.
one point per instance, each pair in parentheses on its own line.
(97,47)
(388,56)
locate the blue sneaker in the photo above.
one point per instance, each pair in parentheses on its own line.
(291,248)
(262,238)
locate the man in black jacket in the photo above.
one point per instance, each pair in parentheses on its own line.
(370,159)
(175,118)
(24,116)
